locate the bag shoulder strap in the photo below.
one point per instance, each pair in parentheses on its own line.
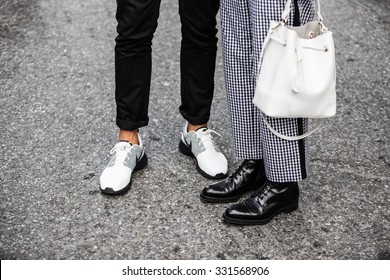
(290,138)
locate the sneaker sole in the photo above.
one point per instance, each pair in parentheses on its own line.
(236,221)
(184,149)
(141,164)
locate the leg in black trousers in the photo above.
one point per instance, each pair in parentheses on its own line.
(197,58)
(137,22)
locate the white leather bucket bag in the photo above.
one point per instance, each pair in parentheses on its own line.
(297,72)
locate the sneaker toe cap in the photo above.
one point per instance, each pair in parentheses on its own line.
(212,163)
(115,178)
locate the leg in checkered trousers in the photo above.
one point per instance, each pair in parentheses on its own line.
(271,166)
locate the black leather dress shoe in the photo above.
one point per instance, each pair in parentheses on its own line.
(263,205)
(247,177)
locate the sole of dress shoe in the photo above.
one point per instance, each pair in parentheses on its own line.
(237,221)
(211,199)
(184,149)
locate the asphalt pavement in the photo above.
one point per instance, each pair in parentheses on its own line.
(57,126)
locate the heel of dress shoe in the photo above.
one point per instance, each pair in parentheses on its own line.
(291,208)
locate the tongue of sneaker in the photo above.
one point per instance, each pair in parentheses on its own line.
(123,143)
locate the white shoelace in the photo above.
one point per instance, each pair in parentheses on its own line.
(121,152)
(205,137)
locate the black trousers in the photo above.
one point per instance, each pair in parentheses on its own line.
(137,22)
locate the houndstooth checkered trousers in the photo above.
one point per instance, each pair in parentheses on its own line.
(245,25)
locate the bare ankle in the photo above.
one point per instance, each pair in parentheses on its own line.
(129,135)
(194,127)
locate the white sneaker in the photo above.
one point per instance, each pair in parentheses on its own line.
(126,158)
(210,162)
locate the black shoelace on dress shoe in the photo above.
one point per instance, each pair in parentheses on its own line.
(240,170)
(267,186)
(261,193)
